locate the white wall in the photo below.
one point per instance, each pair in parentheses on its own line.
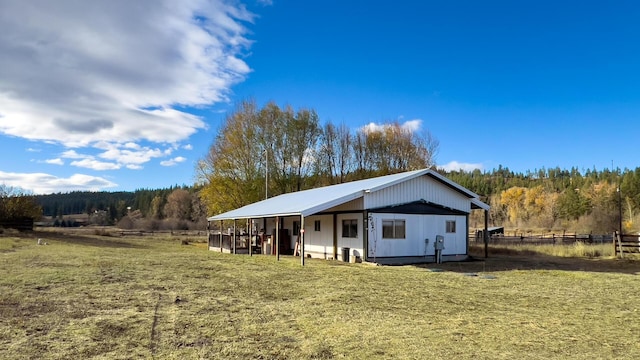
(418,228)
(422,187)
(318,244)
(355,244)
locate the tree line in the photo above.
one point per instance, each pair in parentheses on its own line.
(588,201)
(15,205)
(268,151)
(170,208)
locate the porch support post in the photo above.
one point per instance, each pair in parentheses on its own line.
(301,240)
(486,234)
(250,232)
(365,236)
(220,235)
(466,221)
(235,228)
(277,238)
(335,236)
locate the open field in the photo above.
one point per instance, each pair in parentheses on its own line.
(88,296)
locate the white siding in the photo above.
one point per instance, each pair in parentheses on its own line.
(318,244)
(355,244)
(422,187)
(418,228)
(352,205)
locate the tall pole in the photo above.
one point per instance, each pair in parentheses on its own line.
(619,209)
(266,173)
(619,201)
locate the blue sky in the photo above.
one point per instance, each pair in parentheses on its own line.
(115,96)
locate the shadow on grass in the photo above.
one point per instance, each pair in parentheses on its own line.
(530,260)
(86,240)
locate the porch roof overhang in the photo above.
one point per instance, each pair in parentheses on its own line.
(477,204)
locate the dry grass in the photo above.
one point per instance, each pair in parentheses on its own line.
(120,298)
(578,249)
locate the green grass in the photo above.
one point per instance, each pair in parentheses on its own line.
(120,298)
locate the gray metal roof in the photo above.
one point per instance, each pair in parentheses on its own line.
(309,202)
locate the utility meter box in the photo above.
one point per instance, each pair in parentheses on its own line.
(439,243)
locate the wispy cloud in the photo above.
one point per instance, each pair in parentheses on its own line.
(40,183)
(409,125)
(457,166)
(173,162)
(94,164)
(56,161)
(82,74)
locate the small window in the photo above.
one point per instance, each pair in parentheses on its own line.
(316,225)
(350,228)
(451,226)
(393,229)
(296,228)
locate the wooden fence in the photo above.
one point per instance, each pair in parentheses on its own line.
(225,243)
(20,224)
(550,238)
(625,243)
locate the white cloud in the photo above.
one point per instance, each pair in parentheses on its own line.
(173,162)
(457,166)
(188,147)
(102,71)
(409,125)
(412,125)
(33,150)
(95,164)
(129,155)
(40,183)
(72,154)
(56,161)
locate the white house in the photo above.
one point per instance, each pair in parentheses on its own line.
(388,219)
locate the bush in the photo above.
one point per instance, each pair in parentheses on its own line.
(126,223)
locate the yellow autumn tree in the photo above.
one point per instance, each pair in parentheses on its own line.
(514,200)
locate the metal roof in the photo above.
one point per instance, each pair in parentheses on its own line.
(309,202)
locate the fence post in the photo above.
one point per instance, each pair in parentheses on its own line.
(620,245)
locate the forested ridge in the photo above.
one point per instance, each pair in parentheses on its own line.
(171,208)
(586,201)
(554,198)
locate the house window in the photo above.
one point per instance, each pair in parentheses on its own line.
(350,228)
(296,228)
(451,226)
(393,229)
(316,225)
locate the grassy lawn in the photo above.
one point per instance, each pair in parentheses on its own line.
(105,297)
